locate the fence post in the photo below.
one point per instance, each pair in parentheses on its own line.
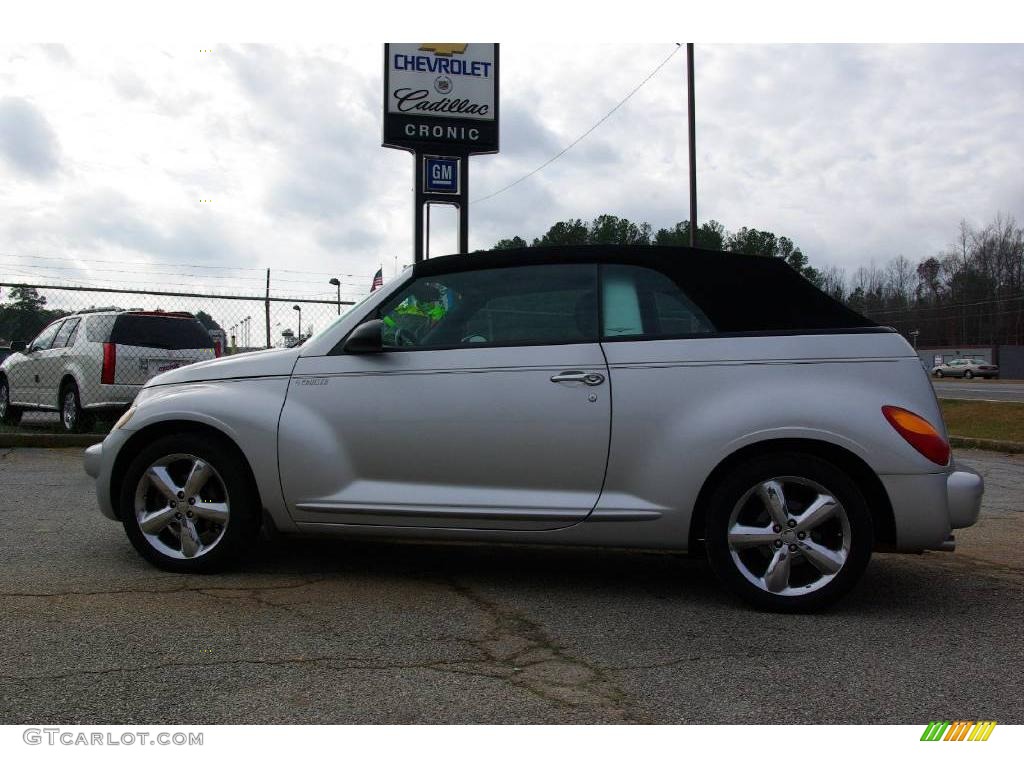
(266,307)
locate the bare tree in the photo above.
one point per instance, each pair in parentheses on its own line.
(833,282)
(971,293)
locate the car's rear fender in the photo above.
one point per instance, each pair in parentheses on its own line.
(714,402)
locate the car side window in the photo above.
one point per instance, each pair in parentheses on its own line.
(642,302)
(45,339)
(98,327)
(550,304)
(73,336)
(65,337)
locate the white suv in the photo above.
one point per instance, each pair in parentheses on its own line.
(95,362)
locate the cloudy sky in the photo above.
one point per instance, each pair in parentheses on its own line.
(121,165)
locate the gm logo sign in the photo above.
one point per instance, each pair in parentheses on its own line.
(440,175)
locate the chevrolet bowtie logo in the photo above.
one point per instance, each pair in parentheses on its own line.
(444,49)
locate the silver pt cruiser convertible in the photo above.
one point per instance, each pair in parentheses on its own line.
(655,398)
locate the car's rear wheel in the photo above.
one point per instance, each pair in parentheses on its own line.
(969,374)
(10,415)
(188,503)
(939,374)
(72,416)
(789,532)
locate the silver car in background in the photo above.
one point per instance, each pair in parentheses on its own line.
(966,368)
(656,398)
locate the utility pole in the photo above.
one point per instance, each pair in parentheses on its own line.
(693,145)
(266,308)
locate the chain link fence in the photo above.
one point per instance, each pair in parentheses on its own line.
(72,358)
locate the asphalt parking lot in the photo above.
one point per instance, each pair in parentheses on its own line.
(339,632)
(998,390)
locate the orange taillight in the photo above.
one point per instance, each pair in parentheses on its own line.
(919,433)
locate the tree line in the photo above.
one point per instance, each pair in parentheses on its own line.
(607,229)
(24,314)
(970,293)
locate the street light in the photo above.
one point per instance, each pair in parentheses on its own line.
(337,282)
(298,309)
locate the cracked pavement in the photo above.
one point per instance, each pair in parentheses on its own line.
(313,631)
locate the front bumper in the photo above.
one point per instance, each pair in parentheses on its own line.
(99,465)
(927,508)
(93,460)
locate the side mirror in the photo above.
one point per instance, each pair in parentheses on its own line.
(19,346)
(366,339)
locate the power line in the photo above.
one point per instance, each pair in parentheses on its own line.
(586,133)
(944,307)
(35,279)
(154,275)
(147,292)
(971,320)
(90,260)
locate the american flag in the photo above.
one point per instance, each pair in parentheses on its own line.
(378,280)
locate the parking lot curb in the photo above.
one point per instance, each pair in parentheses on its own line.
(1005,446)
(22,440)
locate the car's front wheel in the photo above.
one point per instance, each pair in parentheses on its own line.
(188,503)
(969,375)
(10,415)
(939,374)
(789,532)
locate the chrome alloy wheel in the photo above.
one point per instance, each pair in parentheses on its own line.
(4,397)
(69,411)
(789,536)
(182,506)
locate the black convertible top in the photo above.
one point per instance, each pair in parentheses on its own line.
(739,293)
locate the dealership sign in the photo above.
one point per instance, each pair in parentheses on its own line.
(441,95)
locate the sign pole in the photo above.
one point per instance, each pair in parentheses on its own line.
(464,204)
(418,203)
(693,145)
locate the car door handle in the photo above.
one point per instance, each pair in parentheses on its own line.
(590,379)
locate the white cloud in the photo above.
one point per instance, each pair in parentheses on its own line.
(27,142)
(855,152)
